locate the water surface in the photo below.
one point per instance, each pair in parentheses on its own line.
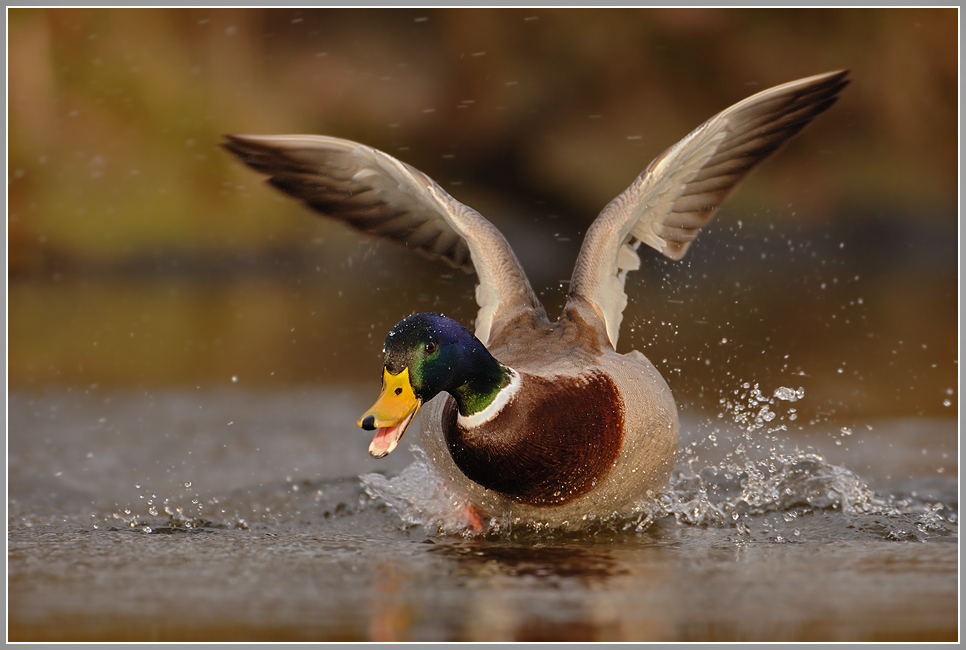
(230,515)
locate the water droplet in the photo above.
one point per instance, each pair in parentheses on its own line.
(786,394)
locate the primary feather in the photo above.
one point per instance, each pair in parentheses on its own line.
(681,190)
(379,195)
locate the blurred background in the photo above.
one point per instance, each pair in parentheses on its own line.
(141,256)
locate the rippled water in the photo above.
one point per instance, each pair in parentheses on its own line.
(248,516)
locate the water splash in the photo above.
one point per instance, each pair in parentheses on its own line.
(757,476)
(420,497)
(269,506)
(163,513)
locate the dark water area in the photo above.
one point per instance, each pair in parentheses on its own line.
(233,515)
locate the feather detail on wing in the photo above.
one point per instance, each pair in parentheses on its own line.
(381,196)
(680,191)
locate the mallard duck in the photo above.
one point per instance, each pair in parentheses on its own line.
(527,418)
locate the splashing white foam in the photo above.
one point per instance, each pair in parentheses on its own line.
(758,475)
(420,497)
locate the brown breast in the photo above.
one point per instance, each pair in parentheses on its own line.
(547,448)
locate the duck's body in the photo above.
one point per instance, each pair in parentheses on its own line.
(530,419)
(585,434)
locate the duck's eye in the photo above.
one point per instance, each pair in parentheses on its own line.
(431,348)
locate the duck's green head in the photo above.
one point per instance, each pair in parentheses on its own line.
(426,354)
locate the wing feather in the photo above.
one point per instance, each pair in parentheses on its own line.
(384,197)
(678,193)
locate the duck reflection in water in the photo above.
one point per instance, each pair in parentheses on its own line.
(525,592)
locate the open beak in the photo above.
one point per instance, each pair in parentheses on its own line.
(391,414)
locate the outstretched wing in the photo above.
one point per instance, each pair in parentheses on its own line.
(379,195)
(680,191)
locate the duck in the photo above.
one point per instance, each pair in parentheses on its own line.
(528,419)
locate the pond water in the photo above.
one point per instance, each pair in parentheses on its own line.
(236,515)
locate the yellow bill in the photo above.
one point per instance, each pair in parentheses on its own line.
(391,414)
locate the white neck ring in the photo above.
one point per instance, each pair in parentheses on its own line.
(493,409)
